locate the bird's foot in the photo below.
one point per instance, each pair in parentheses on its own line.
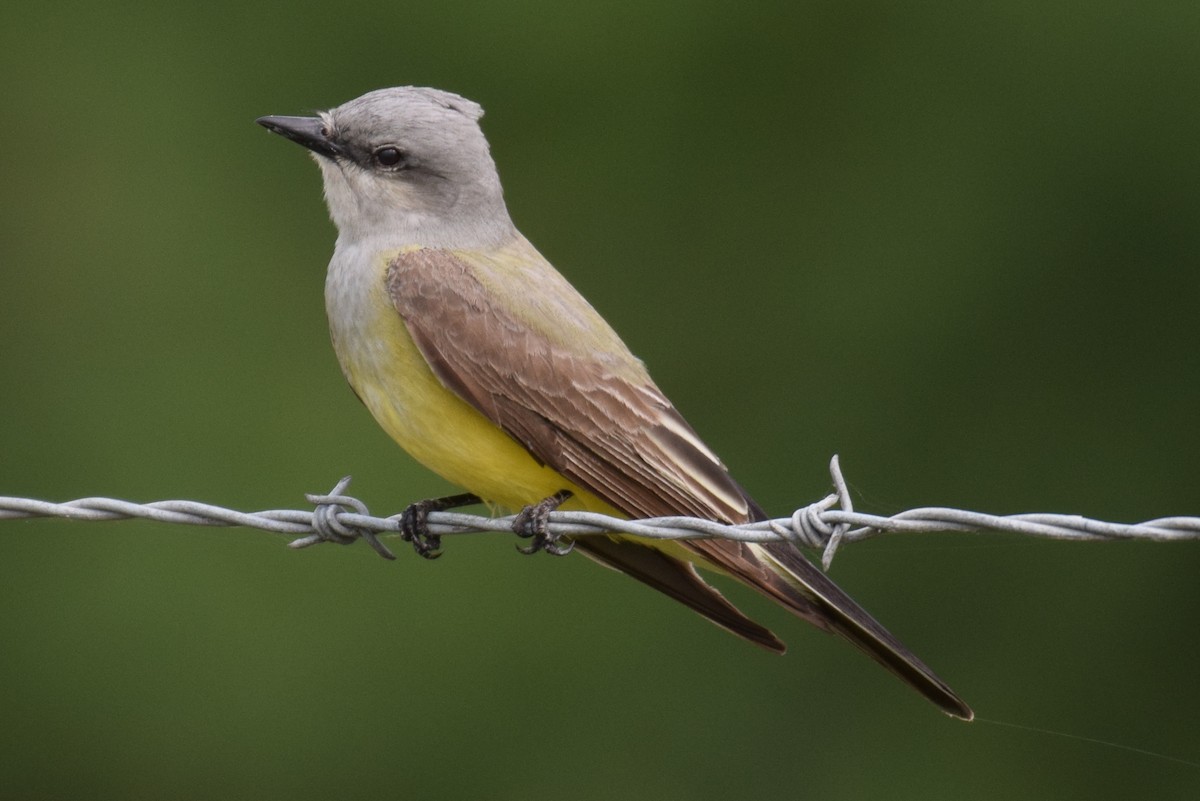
(532,522)
(414,522)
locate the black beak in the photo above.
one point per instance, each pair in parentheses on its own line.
(307,131)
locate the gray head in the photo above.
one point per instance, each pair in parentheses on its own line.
(405,166)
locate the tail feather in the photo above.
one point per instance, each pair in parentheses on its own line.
(679,580)
(803,589)
(780,572)
(809,593)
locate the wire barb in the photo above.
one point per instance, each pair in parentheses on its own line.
(328,526)
(826,524)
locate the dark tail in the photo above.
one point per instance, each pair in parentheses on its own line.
(805,590)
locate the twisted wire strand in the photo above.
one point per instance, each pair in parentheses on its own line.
(825,524)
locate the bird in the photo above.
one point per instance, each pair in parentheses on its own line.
(480,359)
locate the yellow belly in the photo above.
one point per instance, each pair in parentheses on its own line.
(439,429)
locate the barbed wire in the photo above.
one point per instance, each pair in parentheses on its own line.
(825,524)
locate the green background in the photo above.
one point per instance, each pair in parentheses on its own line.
(955,243)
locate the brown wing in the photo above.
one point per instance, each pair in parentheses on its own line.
(547,369)
(590,412)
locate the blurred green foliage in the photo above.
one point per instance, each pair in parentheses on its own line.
(955,243)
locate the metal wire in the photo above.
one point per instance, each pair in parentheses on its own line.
(825,524)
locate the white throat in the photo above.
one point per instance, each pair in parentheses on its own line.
(376,216)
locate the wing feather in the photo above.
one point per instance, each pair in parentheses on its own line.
(592,414)
(512,338)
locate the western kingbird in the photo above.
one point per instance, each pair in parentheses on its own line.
(481,361)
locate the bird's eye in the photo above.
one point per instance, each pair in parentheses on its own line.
(389,156)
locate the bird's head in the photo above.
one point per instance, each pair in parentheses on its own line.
(407,163)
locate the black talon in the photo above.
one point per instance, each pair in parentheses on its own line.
(414,528)
(532,521)
(414,522)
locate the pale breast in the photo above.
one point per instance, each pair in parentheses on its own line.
(391,377)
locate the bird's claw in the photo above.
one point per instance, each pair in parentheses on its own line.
(532,522)
(414,522)
(414,528)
